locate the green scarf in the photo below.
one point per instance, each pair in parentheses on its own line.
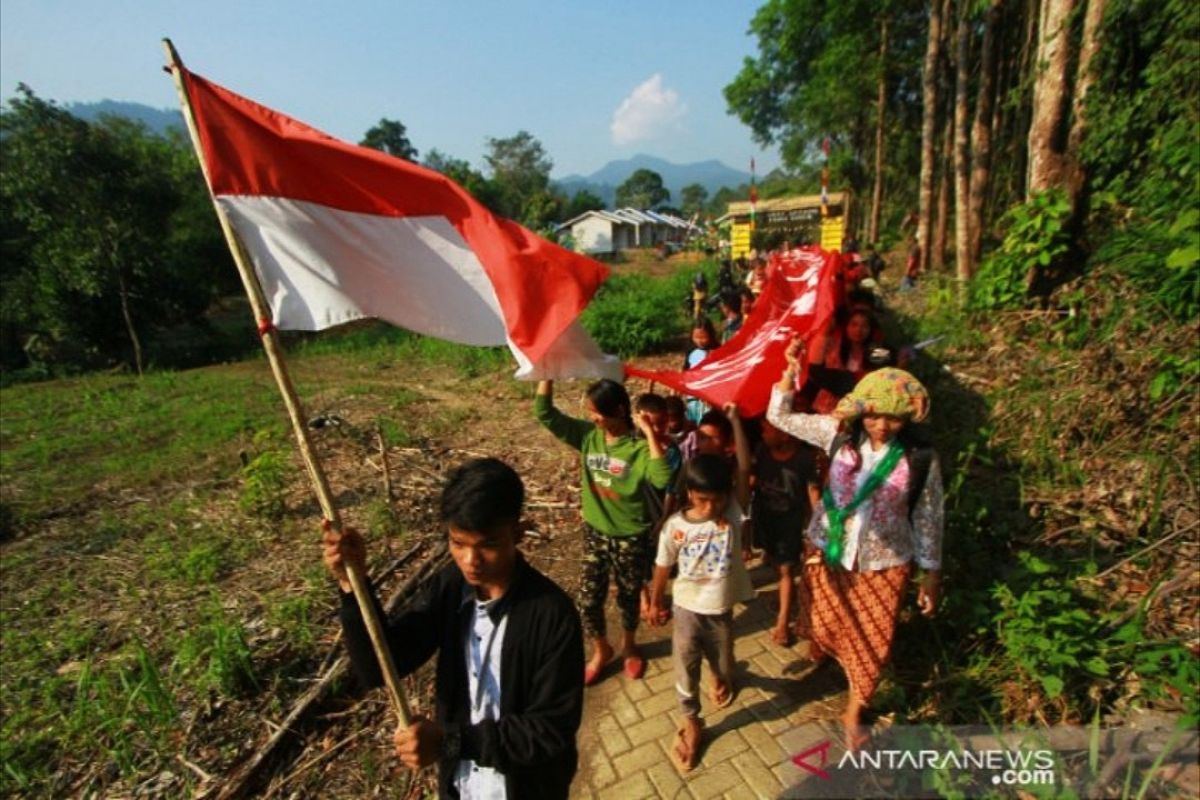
(835,539)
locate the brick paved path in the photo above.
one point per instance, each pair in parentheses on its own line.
(628,725)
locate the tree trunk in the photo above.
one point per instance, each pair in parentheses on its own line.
(929,104)
(1083,81)
(129,328)
(963,264)
(1020,104)
(942,226)
(880,118)
(981,135)
(1051,96)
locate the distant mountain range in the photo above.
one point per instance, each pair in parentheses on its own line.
(156,120)
(712,175)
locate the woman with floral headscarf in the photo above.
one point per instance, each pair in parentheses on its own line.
(881,511)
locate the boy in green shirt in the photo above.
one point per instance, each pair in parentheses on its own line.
(614,464)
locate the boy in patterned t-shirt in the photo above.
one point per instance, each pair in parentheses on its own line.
(705,542)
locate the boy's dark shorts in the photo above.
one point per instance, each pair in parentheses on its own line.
(779,546)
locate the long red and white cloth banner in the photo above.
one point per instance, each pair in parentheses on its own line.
(798,299)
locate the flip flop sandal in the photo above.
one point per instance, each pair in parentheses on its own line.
(591,675)
(635,667)
(682,756)
(722,700)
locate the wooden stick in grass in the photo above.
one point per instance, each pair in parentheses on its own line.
(271,344)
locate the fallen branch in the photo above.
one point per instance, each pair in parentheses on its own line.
(1141,552)
(388,494)
(204,776)
(1159,593)
(312,762)
(237,785)
(376,579)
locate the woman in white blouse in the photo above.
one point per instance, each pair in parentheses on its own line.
(881,510)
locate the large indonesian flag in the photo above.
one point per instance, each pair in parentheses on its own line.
(798,299)
(338,233)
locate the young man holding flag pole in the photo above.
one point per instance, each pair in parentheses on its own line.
(271,344)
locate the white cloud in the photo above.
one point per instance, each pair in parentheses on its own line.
(649,111)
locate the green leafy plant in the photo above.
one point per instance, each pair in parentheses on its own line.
(1036,237)
(382,520)
(264,481)
(295,615)
(1175,370)
(1048,630)
(1166,670)
(216,654)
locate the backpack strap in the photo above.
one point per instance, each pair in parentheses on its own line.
(839,441)
(919,461)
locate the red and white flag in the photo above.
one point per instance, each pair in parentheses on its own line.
(798,299)
(338,232)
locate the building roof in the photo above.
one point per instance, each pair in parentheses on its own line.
(630,216)
(741,208)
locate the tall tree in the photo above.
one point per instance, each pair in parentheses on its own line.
(391,137)
(582,202)
(1051,98)
(643,189)
(929,118)
(692,198)
(962,219)
(818,72)
(1088,48)
(981,129)
(941,222)
(719,204)
(100,213)
(880,128)
(521,175)
(461,172)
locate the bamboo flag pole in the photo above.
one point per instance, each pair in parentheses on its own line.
(271,344)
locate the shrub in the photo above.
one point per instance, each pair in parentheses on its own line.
(217,655)
(634,315)
(264,480)
(1036,237)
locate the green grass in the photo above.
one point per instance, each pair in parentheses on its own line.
(61,442)
(386,347)
(214,653)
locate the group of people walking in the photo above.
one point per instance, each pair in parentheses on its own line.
(837,486)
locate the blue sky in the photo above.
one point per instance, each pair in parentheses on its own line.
(593,81)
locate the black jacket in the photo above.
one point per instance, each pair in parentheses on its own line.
(541,675)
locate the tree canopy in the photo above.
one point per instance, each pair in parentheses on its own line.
(108,234)
(582,202)
(643,189)
(391,137)
(692,198)
(521,180)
